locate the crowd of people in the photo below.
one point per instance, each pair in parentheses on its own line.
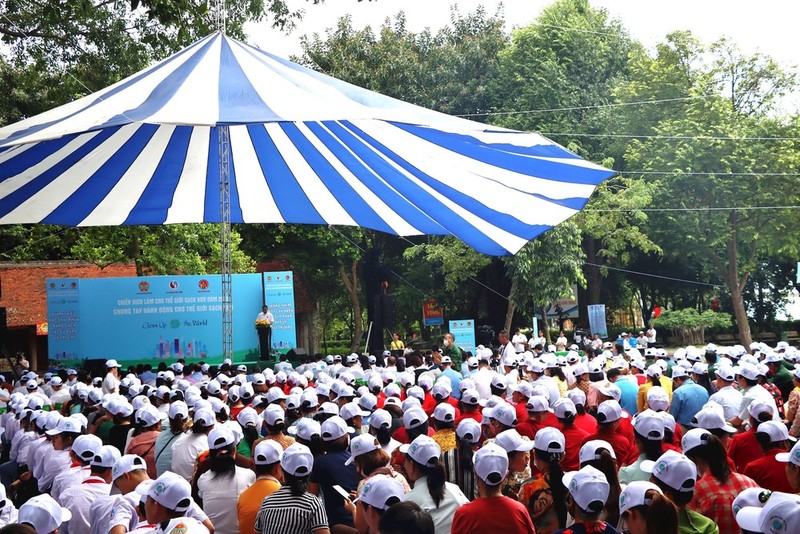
(520,438)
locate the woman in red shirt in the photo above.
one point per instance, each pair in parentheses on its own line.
(768,472)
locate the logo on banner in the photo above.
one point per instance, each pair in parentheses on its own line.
(173,284)
(144,286)
(203,284)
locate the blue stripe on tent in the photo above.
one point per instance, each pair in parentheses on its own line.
(457,225)
(162,93)
(86,198)
(28,158)
(153,206)
(507,222)
(291,200)
(238,100)
(351,201)
(135,79)
(479,151)
(575,203)
(407,211)
(8,203)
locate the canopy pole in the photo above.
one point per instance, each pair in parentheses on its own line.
(225,239)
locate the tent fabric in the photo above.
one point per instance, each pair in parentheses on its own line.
(304,148)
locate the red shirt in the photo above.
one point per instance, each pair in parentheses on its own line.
(522,411)
(573,439)
(492,514)
(429,404)
(586,422)
(401,434)
(529,427)
(626,452)
(769,473)
(743,449)
(476,415)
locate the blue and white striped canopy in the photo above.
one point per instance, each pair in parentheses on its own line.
(304,148)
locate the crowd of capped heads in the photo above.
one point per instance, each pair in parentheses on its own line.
(601,437)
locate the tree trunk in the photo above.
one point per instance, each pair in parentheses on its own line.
(592,272)
(740,313)
(544,323)
(510,315)
(350,282)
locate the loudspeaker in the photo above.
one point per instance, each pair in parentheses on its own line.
(3,320)
(296,354)
(388,311)
(97,367)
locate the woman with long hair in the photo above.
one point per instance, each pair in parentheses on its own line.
(309,433)
(219,488)
(600,455)
(250,422)
(431,490)
(648,431)
(518,449)
(178,423)
(644,509)
(460,472)
(188,447)
(544,495)
(143,443)
(717,486)
(292,508)
(380,426)
(274,421)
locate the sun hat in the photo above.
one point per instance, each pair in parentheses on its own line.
(169,490)
(779,515)
(43,513)
(673,469)
(362,444)
(635,494)
(589,488)
(491,464)
(590,450)
(381,492)
(469,430)
(549,439)
(334,428)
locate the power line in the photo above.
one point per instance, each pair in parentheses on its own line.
(584,107)
(651,275)
(705,208)
(707,173)
(674,137)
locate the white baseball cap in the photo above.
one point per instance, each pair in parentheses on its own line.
(177,408)
(505,414)
(657,398)
(591,450)
(414,417)
(381,492)
(334,428)
(111,363)
(444,413)
(776,431)
(655,370)
(470,397)
(205,416)
(695,437)
(362,444)
(610,390)
(106,456)
(380,418)
(610,411)
(273,414)
(577,396)
(537,404)
(469,430)
(86,446)
(306,429)
(756,408)
(649,425)
(423,450)
(588,487)
(512,441)
(170,491)
(127,463)
(564,408)
(491,464)
(148,415)
(267,452)
(792,456)
(220,437)
(673,469)
(65,424)
(635,494)
(747,370)
(756,497)
(297,460)
(779,515)
(43,513)
(549,439)
(711,418)
(352,409)
(678,372)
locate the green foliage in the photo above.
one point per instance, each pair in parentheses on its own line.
(691,318)
(450,256)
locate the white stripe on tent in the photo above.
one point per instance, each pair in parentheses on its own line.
(188,203)
(13,183)
(14,151)
(255,198)
(504,239)
(316,191)
(120,201)
(51,196)
(196,101)
(390,217)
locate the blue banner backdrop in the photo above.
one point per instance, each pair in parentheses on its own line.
(464,332)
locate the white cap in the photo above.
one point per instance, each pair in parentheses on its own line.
(655,370)
(273,414)
(381,492)
(127,464)
(512,441)
(380,418)
(577,396)
(792,456)
(86,446)
(588,487)
(111,363)
(610,411)
(106,456)
(423,450)
(43,513)
(414,417)
(673,469)
(549,439)
(350,410)
(178,408)
(444,413)
(657,398)
(334,428)
(297,460)
(635,494)
(362,444)
(756,497)
(537,404)
(65,424)
(505,414)
(170,491)
(267,452)
(649,425)
(780,515)
(678,372)
(491,464)
(275,394)
(470,397)
(610,390)
(469,430)
(711,418)
(747,370)
(220,437)
(206,417)
(757,407)
(776,431)
(591,450)
(148,415)
(695,437)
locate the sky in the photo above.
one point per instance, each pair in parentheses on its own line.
(769,26)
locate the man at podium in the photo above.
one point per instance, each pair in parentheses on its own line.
(264,322)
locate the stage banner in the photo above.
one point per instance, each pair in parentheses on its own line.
(564,307)
(464,332)
(432,313)
(163,317)
(597,319)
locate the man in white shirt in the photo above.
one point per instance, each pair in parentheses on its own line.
(651,335)
(264,322)
(78,499)
(83,450)
(519,340)
(727,396)
(111,381)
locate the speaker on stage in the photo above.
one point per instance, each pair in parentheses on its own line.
(388,311)
(296,354)
(3,320)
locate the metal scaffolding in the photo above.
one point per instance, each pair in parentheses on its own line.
(225,239)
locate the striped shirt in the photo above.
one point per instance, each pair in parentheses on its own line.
(283,513)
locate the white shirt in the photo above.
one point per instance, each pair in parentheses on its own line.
(651,335)
(54,464)
(78,500)
(265,317)
(730,399)
(220,496)
(110,384)
(40,455)
(60,397)
(762,395)
(443,515)
(68,479)
(519,341)
(185,451)
(183,525)
(8,514)
(483,382)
